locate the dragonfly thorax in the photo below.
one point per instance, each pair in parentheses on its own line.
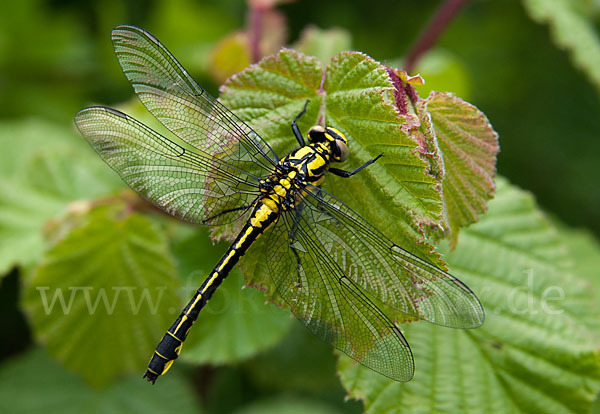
(306,165)
(309,163)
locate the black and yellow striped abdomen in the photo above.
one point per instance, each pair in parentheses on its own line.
(264,215)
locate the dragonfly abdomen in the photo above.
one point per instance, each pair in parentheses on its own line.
(168,349)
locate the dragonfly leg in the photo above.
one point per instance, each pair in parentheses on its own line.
(346,174)
(229,210)
(295,128)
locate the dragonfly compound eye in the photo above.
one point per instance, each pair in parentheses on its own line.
(340,150)
(316,134)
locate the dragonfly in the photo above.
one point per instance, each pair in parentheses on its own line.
(332,268)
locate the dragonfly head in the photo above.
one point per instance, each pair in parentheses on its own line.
(337,141)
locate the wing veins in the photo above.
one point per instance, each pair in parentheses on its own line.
(378,343)
(447,302)
(132,43)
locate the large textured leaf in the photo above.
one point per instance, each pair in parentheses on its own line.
(34,383)
(236,323)
(356,95)
(572,28)
(468,146)
(533,354)
(23,212)
(584,250)
(98,300)
(43,167)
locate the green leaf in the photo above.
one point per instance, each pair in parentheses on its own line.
(43,167)
(52,156)
(534,352)
(355,94)
(357,98)
(236,323)
(584,250)
(23,213)
(34,383)
(323,44)
(468,145)
(103,295)
(573,28)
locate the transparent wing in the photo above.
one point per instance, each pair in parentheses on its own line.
(192,186)
(184,107)
(331,305)
(398,278)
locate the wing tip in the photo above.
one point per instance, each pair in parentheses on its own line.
(98,109)
(406,376)
(118,33)
(480,315)
(82,114)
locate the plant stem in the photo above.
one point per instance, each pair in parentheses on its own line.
(440,20)
(255,30)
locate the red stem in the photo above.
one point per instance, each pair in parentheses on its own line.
(440,20)
(256,20)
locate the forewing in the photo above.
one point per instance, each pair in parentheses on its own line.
(184,107)
(398,278)
(330,305)
(188,185)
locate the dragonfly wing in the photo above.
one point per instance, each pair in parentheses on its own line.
(191,186)
(184,107)
(394,276)
(331,305)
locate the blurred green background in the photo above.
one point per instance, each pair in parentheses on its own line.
(56,58)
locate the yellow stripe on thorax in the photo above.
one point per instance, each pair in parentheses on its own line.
(302,152)
(315,164)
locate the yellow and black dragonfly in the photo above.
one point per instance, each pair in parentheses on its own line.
(329,264)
